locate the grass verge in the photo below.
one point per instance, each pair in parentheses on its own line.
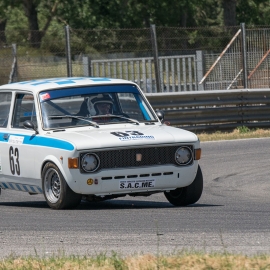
(238,133)
(182,260)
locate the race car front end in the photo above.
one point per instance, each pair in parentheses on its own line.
(135,170)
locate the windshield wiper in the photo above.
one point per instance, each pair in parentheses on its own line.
(74,117)
(118,116)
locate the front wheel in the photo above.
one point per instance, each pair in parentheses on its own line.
(187,195)
(56,190)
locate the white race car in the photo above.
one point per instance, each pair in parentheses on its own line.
(92,139)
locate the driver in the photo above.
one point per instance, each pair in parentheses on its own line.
(103,104)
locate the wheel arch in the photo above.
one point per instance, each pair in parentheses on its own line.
(55,161)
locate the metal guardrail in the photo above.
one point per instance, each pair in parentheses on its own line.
(214,110)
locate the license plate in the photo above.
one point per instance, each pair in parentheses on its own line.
(135,184)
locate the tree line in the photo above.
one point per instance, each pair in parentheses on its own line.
(38,16)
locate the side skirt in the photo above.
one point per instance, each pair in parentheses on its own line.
(20,187)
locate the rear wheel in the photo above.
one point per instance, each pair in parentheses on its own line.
(187,195)
(56,190)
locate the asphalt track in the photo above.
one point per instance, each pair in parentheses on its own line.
(233,214)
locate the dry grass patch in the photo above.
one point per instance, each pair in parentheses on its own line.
(238,133)
(185,261)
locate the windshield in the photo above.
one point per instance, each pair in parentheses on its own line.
(94,105)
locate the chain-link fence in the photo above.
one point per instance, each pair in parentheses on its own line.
(159,59)
(258,58)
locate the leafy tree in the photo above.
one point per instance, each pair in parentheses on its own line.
(4,11)
(253,12)
(39,17)
(31,9)
(92,14)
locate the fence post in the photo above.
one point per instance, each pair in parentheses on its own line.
(68,52)
(13,74)
(199,67)
(244,55)
(155,51)
(86,66)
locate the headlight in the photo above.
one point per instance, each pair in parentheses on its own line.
(90,162)
(183,155)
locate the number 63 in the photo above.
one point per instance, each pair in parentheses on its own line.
(14,160)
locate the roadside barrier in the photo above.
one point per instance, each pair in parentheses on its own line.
(214,110)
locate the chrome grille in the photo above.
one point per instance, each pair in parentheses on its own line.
(126,158)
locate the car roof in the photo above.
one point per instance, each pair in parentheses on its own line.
(63,82)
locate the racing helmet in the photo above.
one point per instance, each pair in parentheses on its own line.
(102,100)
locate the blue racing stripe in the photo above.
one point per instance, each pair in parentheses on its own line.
(18,187)
(42,141)
(25,188)
(21,187)
(50,142)
(11,186)
(5,185)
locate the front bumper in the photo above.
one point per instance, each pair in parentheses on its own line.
(108,182)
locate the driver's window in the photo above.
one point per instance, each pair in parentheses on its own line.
(24,110)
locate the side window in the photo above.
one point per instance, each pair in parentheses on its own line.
(5,101)
(24,110)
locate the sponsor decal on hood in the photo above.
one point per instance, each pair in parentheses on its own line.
(132,135)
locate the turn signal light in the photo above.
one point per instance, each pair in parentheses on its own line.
(73,163)
(198,153)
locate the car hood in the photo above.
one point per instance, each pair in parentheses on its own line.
(130,135)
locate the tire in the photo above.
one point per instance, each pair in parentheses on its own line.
(56,190)
(187,195)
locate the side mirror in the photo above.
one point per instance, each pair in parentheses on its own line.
(160,115)
(30,125)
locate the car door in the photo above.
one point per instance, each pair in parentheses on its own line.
(5,104)
(19,148)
